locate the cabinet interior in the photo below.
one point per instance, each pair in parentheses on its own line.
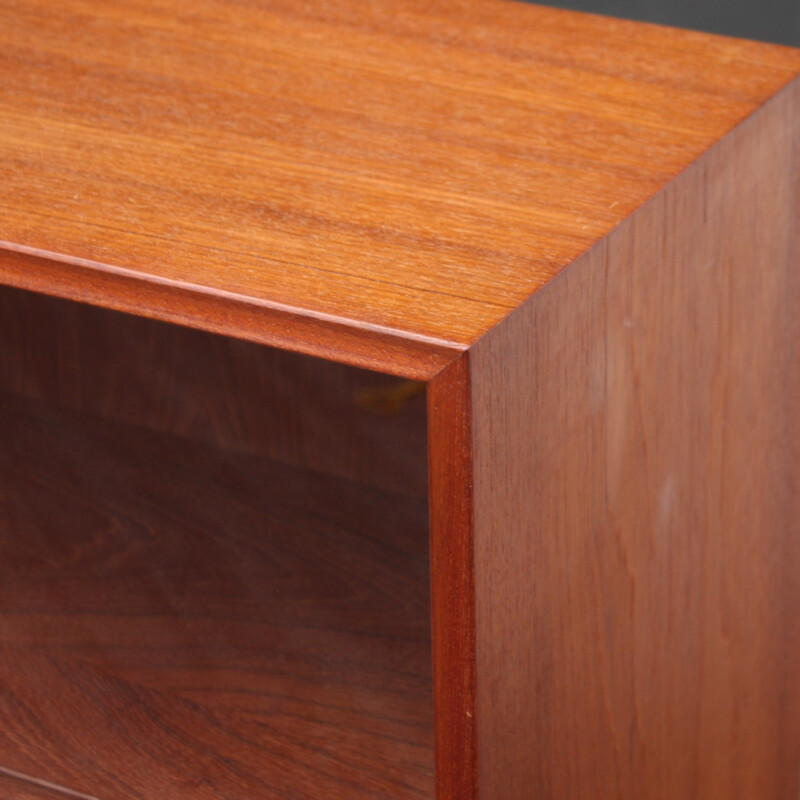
(214,573)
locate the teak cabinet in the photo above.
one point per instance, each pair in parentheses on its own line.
(397,399)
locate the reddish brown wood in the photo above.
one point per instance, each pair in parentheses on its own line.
(19,787)
(176,621)
(376,182)
(302,411)
(453,586)
(636,485)
(577,229)
(220,312)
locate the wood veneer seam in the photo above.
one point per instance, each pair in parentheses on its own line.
(216,313)
(199,289)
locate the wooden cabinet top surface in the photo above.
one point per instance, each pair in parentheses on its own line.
(379,182)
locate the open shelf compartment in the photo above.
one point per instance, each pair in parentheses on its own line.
(183,619)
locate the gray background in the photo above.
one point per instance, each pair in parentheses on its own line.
(768,20)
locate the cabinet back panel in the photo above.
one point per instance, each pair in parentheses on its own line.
(345,422)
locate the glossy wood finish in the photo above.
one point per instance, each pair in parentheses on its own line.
(181,622)
(374,182)
(636,469)
(243,397)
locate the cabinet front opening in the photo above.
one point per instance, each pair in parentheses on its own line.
(214,576)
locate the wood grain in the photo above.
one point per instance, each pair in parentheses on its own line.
(452,581)
(240,396)
(177,621)
(580,230)
(636,490)
(377,183)
(14,786)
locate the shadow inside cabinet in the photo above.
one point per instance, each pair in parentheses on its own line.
(214,570)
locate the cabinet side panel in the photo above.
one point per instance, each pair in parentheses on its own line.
(636,515)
